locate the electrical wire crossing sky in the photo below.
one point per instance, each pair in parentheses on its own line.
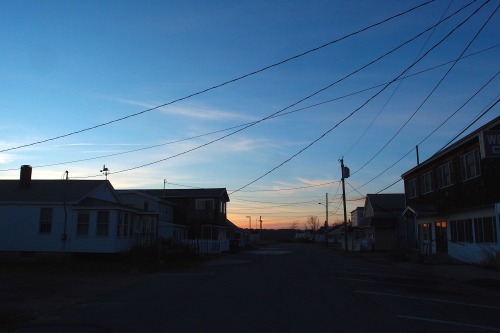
(261,98)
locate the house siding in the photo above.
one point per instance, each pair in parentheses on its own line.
(19,231)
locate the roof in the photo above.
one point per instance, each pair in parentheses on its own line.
(358,208)
(187,193)
(231,225)
(420,210)
(53,190)
(493,124)
(380,221)
(122,193)
(386,203)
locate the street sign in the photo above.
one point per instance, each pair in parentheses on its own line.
(489,142)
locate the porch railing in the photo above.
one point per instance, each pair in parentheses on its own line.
(205,246)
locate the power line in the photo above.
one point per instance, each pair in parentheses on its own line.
(290,106)
(366,102)
(438,127)
(397,87)
(437,85)
(245,124)
(222,84)
(466,128)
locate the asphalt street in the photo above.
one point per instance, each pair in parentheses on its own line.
(286,288)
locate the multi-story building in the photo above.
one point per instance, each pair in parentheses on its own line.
(453,198)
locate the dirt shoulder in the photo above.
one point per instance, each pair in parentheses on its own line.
(28,291)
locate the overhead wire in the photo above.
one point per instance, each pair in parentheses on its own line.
(363,104)
(290,106)
(221,84)
(397,86)
(437,128)
(466,128)
(437,85)
(241,125)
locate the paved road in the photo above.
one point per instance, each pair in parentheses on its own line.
(287,288)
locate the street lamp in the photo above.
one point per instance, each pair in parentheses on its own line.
(326,220)
(319,203)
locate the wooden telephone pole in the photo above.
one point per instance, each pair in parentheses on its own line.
(345,174)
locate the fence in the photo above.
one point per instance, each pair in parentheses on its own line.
(204,246)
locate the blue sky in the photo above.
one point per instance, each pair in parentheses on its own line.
(66,67)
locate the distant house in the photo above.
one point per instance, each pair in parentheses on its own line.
(154,218)
(383,215)
(453,198)
(63,216)
(238,237)
(361,237)
(357,217)
(203,211)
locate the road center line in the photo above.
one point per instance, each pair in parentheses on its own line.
(428,299)
(450,323)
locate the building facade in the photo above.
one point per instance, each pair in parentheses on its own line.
(452,199)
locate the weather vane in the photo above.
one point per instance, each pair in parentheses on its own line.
(105,171)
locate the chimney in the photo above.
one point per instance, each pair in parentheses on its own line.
(25,178)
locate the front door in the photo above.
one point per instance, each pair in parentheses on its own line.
(441,237)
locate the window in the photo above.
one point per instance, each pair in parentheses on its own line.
(82,224)
(204,204)
(130,226)
(461,231)
(424,232)
(485,230)
(427,182)
(445,175)
(222,208)
(119,225)
(125,225)
(470,165)
(45,220)
(411,188)
(102,228)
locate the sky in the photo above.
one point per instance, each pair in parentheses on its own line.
(263,98)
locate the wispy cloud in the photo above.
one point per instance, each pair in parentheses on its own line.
(6,158)
(190,111)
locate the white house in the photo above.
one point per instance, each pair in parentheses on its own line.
(63,216)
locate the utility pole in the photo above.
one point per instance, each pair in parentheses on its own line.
(64,236)
(260,220)
(326,206)
(249,222)
(418,157)
(326,221)
(345,174)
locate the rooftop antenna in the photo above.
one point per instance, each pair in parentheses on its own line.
(105,171)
